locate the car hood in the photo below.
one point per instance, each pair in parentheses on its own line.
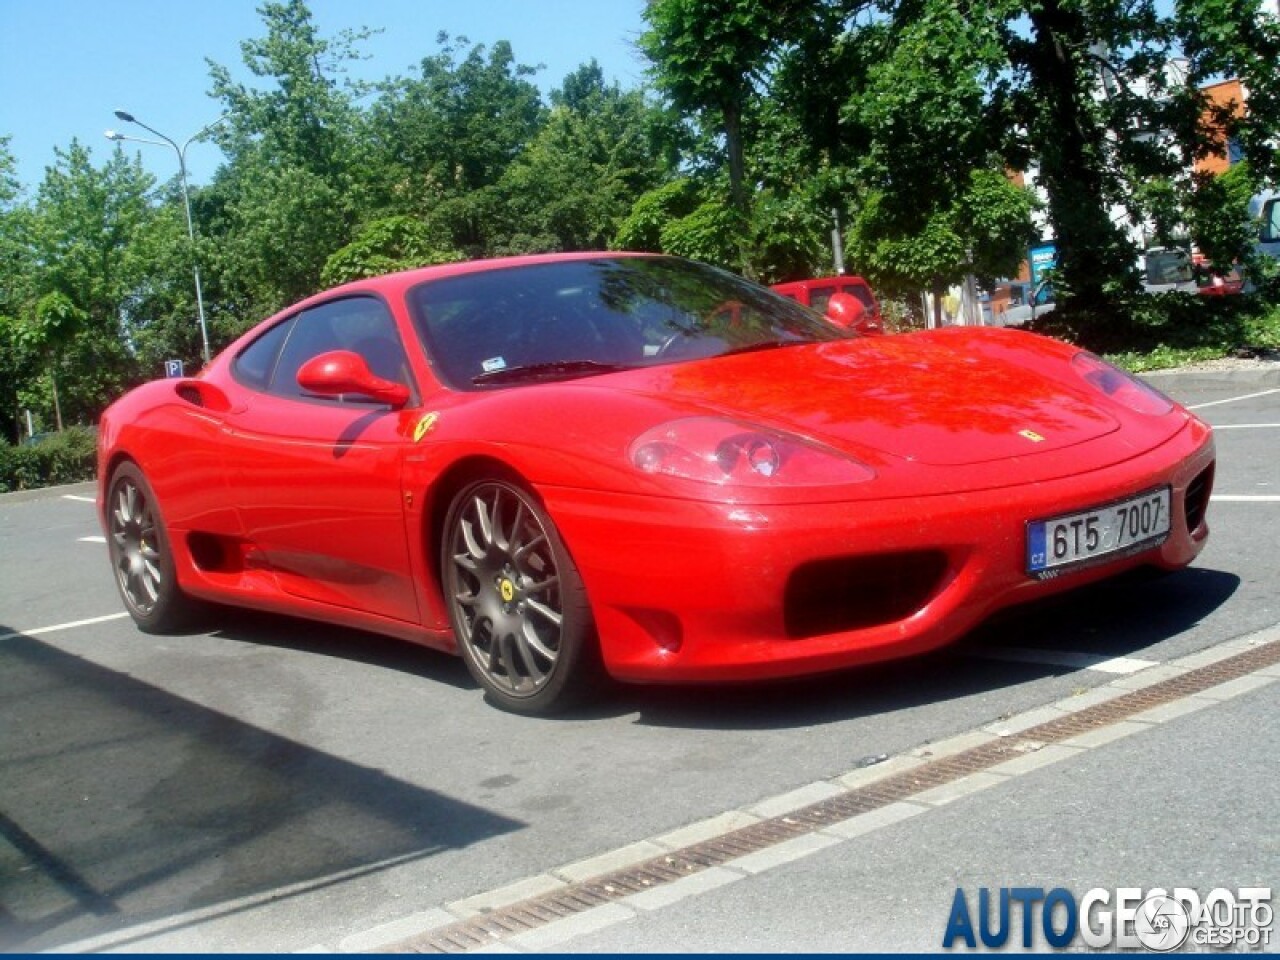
(945,398)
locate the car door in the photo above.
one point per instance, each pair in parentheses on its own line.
(320,477)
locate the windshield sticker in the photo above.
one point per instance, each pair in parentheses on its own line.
(494,364)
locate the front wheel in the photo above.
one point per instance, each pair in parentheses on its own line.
(516,602)
(141,557)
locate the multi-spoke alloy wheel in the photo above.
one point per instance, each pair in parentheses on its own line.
(139,552)
(516,601)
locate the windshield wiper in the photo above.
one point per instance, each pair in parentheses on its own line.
(557,369)
(766,345)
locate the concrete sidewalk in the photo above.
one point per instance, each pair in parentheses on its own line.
(1187,802)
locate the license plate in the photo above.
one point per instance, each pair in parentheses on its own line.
(1107,532)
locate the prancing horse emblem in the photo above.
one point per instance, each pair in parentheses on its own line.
(1031,435)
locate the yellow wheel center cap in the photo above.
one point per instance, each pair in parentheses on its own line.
(507,589)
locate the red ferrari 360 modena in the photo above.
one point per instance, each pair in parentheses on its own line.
(567,466)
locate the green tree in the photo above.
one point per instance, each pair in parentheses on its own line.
(576,181)
(16,269)
(712,59)
(983,231)
(387,245)
(892,104)
(1102,99)
(438,142)
(653,211)
(939,206)
(294,187)
(83,225)
(1218,214)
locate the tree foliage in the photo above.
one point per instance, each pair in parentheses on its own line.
(577,179)
(766,124)
(385,246)
(712,58)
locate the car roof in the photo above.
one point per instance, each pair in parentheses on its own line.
(818,282)
(395,283)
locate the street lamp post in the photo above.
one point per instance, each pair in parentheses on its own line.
(181,151)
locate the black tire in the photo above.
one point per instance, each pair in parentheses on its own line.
(141,555)
(517,604)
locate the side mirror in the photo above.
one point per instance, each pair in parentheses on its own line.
(849,313)
(342,371)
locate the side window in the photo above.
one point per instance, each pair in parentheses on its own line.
(256,362)
(362,325)
(818,300)
(1271,221)
(862,292)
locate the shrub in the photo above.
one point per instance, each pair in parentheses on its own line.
(1178,327)
(65,457)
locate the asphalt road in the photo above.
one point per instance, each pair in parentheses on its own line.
(278,785)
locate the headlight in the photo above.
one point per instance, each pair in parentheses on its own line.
(724,452)
(1121,386)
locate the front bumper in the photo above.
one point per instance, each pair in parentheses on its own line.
(697,591)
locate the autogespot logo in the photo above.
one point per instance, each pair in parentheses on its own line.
(1162,923)
(1127,917)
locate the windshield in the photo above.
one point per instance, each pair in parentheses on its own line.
(1168,266)
(577,318)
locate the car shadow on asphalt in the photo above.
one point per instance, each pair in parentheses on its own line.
(122,803)
(343,643)
(1118,618)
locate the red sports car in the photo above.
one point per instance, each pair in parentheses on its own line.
(567,466)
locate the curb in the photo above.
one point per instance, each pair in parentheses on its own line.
(1265,375)
(542,913)
(83,488)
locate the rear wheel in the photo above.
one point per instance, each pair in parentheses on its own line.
(141,557)
(516,602)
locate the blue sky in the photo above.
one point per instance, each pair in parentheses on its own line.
(66,65)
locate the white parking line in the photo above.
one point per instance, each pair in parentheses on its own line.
(78,498)
(1244,498)
(1246,426)
(1076,659)
(62,626)
(1247,396)
(93,540)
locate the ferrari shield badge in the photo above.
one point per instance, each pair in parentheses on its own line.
(425,425)
(1031,435)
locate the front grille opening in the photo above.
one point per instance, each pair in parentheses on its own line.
(851,593)
(1197,499)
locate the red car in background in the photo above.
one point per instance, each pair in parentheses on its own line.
(565,466)
(817,294)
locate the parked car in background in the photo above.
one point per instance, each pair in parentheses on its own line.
(1266,207)
(1165,270)
(1217,285)
(1041,303)
(1168,270)
(817,293)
